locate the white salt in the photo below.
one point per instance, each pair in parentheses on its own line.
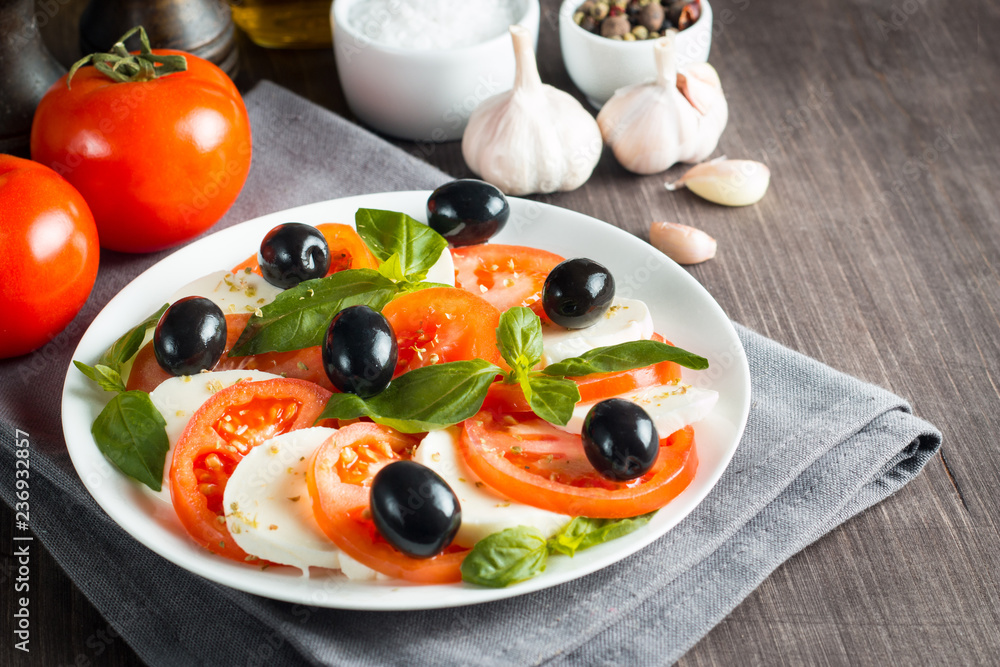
(426,25)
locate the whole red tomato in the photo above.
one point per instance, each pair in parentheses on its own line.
(159,161)
(48,254)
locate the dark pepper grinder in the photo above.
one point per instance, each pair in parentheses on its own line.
(27,70)
(202,27)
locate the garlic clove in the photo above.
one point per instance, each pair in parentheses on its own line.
(683,244)
(533,138)
(701,86)
(704,73)
(726,182)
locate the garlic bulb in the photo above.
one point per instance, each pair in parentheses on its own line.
(726,182)
(678,117)
(533,138)
(683,244)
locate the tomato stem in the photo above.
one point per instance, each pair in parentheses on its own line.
(123,67)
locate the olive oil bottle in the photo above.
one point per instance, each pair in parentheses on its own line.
(285,24)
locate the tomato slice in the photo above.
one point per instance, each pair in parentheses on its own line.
(347,250)
(533,462)
(509,397)
(442,324)
(340,478)
(228,425)
(504,275)
(304,364)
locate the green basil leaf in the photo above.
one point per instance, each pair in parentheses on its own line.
(392,269)
(519,337)
(387,233)
(406,287)
(125,347)
(551,398)
(505,558)
(106,377)
(132,433)
(625,357)
(582,533)
(517,554)
(423,399)
(299,316)
(345,406)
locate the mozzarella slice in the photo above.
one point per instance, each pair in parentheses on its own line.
(625,321)
(232,292)
(670,406)
(178,398)
(356,571)
(484,511)
(267,506)
(443,270)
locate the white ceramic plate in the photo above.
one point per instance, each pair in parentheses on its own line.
(682,310)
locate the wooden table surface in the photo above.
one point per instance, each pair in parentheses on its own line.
(876,250)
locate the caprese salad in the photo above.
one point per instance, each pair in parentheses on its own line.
(399,399)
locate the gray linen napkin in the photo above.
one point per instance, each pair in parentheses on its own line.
(819,447)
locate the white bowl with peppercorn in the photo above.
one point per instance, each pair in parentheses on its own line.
(608,44)
(417,69)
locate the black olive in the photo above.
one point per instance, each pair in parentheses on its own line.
(360,351)
(293,252)
(414,509)
(577,293)
(190,336)
(620,439)
(467,211)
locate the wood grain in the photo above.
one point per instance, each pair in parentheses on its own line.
(877,251)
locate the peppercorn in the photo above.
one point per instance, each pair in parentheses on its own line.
(651,16)
(600,10)
(689,15)
(636,20)
(615,26)
(683,11)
